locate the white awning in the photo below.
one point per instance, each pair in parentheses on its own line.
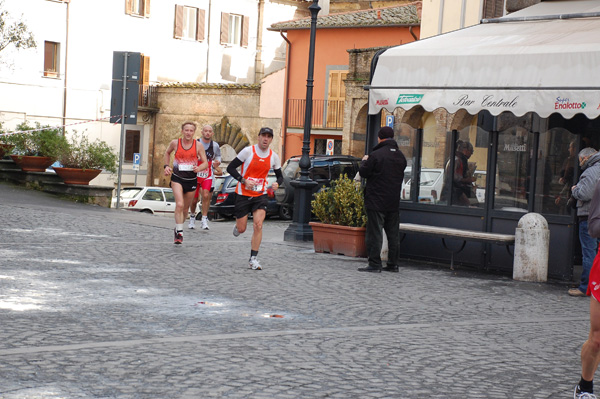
(543,65)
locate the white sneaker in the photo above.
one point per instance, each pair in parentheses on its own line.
(253,263)
(192,224)
(204,224)
(235,231)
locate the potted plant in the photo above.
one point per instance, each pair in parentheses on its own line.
(341,212)
(37,147)
(83,160)
(5,146)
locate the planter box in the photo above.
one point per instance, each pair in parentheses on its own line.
(339,240)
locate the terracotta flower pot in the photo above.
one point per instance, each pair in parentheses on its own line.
(341,240)
(77,176)
(29,163)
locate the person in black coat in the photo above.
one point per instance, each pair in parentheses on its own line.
(384,172)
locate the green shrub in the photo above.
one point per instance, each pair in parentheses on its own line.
(80,153)
(342,203)
(45,141)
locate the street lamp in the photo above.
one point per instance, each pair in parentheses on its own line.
(299,230)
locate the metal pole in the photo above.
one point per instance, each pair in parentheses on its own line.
(121,155)
(299,229)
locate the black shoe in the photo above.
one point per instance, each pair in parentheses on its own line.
(390,268)
(370,269)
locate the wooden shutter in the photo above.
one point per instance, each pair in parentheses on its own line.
(336,98)
(493,8)
(129,7)
(200,25)
(146,8)
(178,33)
(132,144)
(145,70)
(224,28)
(245,30)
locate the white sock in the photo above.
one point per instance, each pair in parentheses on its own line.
(205,218)
(179,227)
(192,216)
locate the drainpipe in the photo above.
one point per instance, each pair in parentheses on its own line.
(285,95)
(410,30)
(64,110)
(208,41)
(258,66)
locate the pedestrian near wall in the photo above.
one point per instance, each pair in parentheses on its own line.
(589,161)
(384,171)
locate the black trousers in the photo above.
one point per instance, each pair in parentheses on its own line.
(377,222)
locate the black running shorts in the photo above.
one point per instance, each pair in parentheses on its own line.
(245,205)
(188,185)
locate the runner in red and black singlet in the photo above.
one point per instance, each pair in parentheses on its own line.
(189,159)
(256,161)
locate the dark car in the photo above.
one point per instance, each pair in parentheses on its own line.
(222,203)
(323,169)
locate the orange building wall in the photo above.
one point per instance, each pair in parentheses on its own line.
(330,50)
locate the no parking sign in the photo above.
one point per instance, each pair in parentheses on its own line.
(329,149)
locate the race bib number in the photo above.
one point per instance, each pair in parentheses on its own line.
(203,174)
(186,167)
(257,184)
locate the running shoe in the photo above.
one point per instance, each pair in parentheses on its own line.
(204,224)
(577,394)
(235,231)
(178,237)
(253,263)
(192,224)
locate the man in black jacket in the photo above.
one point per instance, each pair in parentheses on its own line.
(384,171)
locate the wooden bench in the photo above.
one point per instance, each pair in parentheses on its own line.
(457,234)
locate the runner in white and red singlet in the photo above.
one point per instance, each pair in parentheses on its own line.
(256,161)
(205,177)
(189,159)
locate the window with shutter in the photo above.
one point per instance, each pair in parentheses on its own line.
(189,23)
(132,144)
(51,59)
(234,29)
(137,7)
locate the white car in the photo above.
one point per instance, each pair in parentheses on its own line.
(155,200)
(430,189)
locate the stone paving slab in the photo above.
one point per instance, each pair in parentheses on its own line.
(98,303)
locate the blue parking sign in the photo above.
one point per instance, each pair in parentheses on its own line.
(136,160)
(389,121)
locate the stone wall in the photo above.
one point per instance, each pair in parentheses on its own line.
(232,109)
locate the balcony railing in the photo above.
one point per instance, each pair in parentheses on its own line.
(326,114)
(148,96)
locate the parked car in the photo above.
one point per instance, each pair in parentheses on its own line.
(155,200)
(323,169)
(222,203)
(432,181)
(430,185)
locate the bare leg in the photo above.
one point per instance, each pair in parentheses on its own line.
(241,224)
(179,203)
(258,216)
(590,351)
(206,194)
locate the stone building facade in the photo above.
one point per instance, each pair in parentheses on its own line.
(233,110)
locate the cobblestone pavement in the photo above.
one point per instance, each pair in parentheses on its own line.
(99,303)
